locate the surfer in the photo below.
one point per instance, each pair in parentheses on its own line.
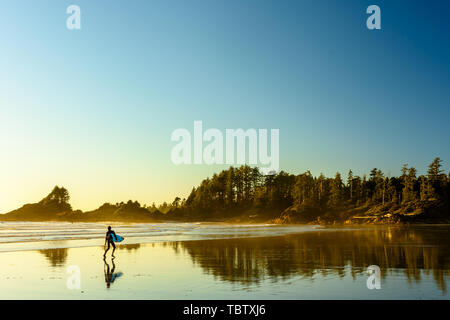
(109,240)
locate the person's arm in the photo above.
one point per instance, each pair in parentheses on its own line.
(106,238)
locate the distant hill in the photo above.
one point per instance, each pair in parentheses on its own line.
(53,206)
(129,211)
(56,207)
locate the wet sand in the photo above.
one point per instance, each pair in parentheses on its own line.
(332,264)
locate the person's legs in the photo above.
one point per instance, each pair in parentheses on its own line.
(106,250)
(114,248)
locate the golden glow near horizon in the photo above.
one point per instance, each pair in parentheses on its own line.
(91,192)
(90,184)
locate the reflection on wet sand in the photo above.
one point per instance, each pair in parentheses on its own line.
(56,257)
(129,247)
(110,274)
(410,250)
(414,252)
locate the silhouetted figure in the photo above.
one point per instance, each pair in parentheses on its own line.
(109,240)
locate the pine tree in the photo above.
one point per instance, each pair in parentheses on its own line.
(434,172)
(336,190)
(350,183)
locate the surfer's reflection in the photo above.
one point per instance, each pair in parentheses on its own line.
(110,276)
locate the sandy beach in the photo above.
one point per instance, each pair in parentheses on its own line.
(307,264)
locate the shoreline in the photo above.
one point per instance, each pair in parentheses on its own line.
(133,239)
(66,236)
(369,220)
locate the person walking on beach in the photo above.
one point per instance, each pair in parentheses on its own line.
(109,240)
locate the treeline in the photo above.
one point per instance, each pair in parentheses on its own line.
(307,198)
(244,194)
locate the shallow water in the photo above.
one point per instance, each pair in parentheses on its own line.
(183,261)
(50,235)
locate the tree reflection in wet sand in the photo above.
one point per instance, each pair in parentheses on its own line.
(56,257)
(411,250)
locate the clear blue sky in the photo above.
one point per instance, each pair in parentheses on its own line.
(93,109)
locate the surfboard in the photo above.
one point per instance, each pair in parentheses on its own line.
(117,238)
(116,275)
